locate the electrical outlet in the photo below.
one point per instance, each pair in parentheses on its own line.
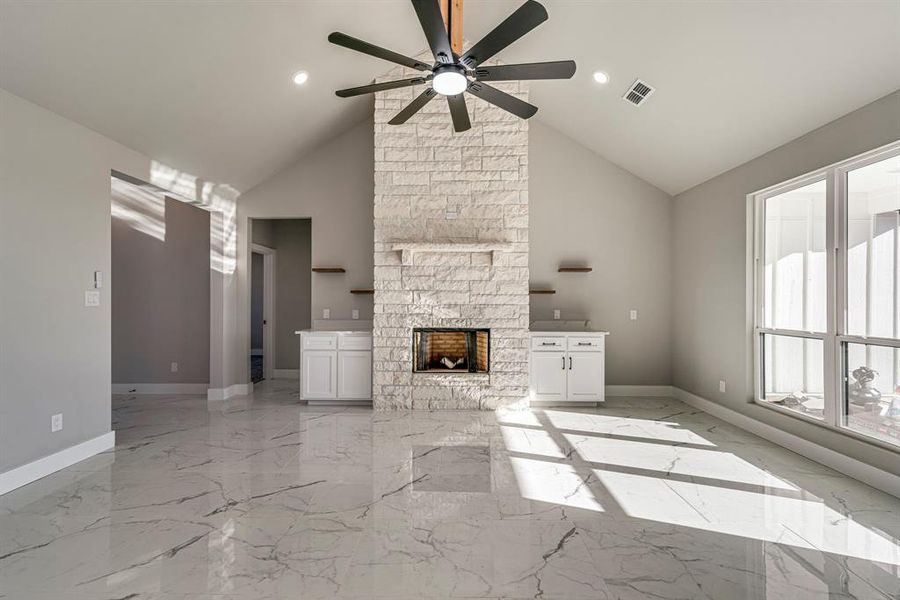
(174,367)
(92,298)
(451,214)
(326,313)
(722,386)
(556,314)
(98,280)
(56,423)
(632,314)
(355,313)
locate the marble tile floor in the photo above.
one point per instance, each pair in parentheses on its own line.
(263,498)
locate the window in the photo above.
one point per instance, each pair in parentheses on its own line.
(827,296)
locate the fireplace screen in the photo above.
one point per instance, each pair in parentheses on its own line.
(447,350)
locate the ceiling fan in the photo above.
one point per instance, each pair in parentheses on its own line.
(454,71)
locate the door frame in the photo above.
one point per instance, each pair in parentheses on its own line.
(269,255)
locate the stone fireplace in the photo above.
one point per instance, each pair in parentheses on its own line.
(451,252)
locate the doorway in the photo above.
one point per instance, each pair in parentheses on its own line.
(159,292)
(280,269)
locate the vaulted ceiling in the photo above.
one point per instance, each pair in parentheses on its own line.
(206,86)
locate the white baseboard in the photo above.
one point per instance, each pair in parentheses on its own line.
(882,480)
(285,373)
(639,391)
(238,389)
(257,352)
(16,478)
(159,388)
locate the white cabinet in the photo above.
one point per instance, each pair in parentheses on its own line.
(335,366)
(355,374)
(568,367)
(548,376)
(318,374)
(585,376)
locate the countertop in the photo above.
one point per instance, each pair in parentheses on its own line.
(353,331)
(564,326)
(568,332)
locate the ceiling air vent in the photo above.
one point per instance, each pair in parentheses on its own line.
(638,92)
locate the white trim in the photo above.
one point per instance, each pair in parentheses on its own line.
(285,373)
(256,352)
(639,391)
(873,476)
(27,473)
(159,388)
(238,389)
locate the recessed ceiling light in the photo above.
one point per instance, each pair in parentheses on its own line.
(300,77)
(601,77)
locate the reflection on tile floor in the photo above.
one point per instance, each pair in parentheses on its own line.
(264,498)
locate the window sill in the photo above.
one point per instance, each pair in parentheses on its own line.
(821,423)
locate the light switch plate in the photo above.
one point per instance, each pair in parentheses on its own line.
(174,367)
(56,423)
(92,298)
(98,280)
(632,314)
(355,313)
(556,314)
(326,313)
(722,386)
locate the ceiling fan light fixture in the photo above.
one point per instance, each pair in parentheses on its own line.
(455,72)
(450,81)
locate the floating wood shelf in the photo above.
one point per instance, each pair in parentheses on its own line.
(329,270)
(541,291)
(362,291)
(575,269)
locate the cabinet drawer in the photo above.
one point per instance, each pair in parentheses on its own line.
(548,343)
(355,342)
(585,343)
(320,342)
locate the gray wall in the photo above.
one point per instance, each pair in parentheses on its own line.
(257,295)
(334,187)
(586,210)
(54,233)
(160,299)
(262,232)
(711,340)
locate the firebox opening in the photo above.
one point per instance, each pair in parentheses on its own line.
(451,350)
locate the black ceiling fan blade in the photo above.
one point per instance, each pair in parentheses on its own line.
(560,69)
(413,107)
(342,39)
(380,87)
(429,13)
(459,112)
(524,19)
(509,103)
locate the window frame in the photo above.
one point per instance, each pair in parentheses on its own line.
(835,338)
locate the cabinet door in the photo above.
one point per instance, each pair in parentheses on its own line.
(355,374)
(548,376)
(318,376)
(586,378)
